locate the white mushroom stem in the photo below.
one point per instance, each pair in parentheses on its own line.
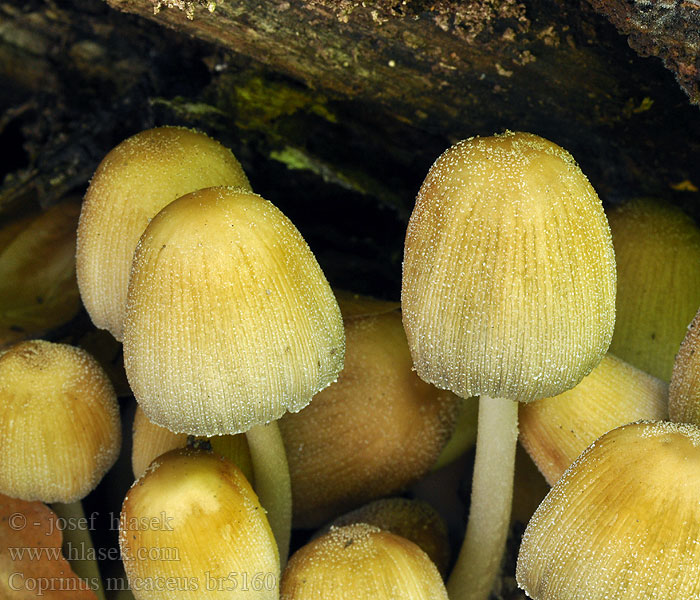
(76,538)
(272,482)
(492,492)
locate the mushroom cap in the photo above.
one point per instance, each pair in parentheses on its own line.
(361,562)
(684,389)
(230,321)
(622,522)
(414,520)
(59,422)
(193,518)
(37,272)
(554,431)
(371,433)
(657,248)
(509,271)
(132,183)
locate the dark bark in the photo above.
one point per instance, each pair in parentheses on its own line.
(334,108)
(456,69)
(669,29)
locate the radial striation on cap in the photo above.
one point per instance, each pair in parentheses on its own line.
(414,520)
(59,422)
(657,247)
(622,522)
(556,430)
(193,520)
(372,433)
(132,183)
(684,389)
(509,271)
(230,321)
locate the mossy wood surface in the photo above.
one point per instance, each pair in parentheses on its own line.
(335,109)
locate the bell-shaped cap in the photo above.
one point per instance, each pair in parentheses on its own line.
(193,519)
(59,422)
(657,248)
(684,390)
(509,271)
(132,183)
(556,430)
(230,321)
(622,522)
(361,562)
(376,430)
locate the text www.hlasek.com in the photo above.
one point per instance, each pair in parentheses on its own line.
(82,551)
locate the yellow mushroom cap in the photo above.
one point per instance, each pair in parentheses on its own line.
(684,390)
(657,248)
(361,562)
(623,521)
(193,528)
(414,520)
(149,441)
(132,183)
(59,422)
(509,271)
(372,433)
(37,272)
(556,430)
(230,321)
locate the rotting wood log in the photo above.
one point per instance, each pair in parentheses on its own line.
(669,29)
(335,107)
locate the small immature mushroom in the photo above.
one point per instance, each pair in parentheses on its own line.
(132,183)
(556,430)
(59,429)
(59,422)
(230,323)
(149,441)
(206,535)
(684,390)
(508,293)
(38,290)
(657,248)
(376,430)
(622,523)
(414,520)
(361,562)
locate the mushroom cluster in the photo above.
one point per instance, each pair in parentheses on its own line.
(265,400)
